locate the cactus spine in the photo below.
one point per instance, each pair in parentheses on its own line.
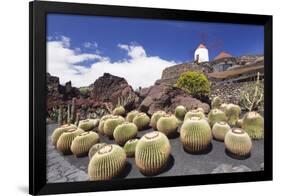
(220,129)
(141,120)
(95,148)
(155,117)
(167,124)
(232,113)
(107,163)
(216,115)
(125,132)
(253,124)
(130,147)
(180,112)
(238,142)
(195,134)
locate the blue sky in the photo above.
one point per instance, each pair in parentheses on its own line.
(116,40)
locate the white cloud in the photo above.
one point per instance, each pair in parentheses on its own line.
(90,44)
(139,69)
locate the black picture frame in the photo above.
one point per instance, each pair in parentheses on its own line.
(37,97)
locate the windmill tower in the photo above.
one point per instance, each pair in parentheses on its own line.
(201,54)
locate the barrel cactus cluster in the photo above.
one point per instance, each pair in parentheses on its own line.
(141,120)
(219,130)
(167,124)
(155,117)
(180,112)
(88,124)
(95,148)
(111,123)
(131,115)
(216,115)
(194,113)
(253,124)
(130,147)
(60,130)
(124,132)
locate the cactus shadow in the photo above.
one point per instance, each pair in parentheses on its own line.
(170,163)
(126,171)
(233,156)
(202,152)
(174,135)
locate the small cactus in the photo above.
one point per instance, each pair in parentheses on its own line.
(253,124)
(219,130)
(238,142)
(111,123)
(58,131)
(223,107)
(68,114)
(125,132)
(216,115)
(66,138)
(60,115)
(82,143)
(216,102)
(107,163)
(130,147)
(101,123)
(131,115)
(155,117)
(88,124)
(95,148)
(141,120)
(167,124)
(180,112)
(152,153)
(120,110)
(195,134)
(193,113)
(232,113)
(73,111)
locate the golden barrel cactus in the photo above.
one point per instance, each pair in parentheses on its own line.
(66,138)
(101,123)
(253,124)
(111,123)
(180,112)
(195,134)
(232,113)
(88,124)
(125,132)
(141,120)
(152,153)
(216,102)
(219,130)
(119,110)
(82,143)
(107,163)
(130,147)
(193,113)
(216,115)
(238,142)
(131,115)
(167,124)
(223,107)
(95,148)
(155,117)
(58,131)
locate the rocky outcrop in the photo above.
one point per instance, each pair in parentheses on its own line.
(165,97)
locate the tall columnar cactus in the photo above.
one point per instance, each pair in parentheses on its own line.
(167,124)
(130,147)
(77,119)
(58,131)
(180,112)
(223,107)
(60,115)
(107,163)
(216,115)
(152,153)
(68,114)
(131,115)
(95,148)
(73,110)
(111,123)
(194,113)
(253,124)
(141,120)
(88,124)
(66,138)
(220,129)
(101,123)
(155,117)
(119,110)
(232,113)
(216,102)
(124,132)
(195,134)
(238,142)
(82,143)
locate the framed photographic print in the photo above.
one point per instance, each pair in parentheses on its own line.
(130,97)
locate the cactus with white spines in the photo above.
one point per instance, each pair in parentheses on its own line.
(88,124)
(95,148)
(119,110)
(131,115)
(238,142)
(216,102)
(232,113)
(82,143)
(167,124)
(180,112)
(253,124)
(124,132)
(141,120)
(152,153)
(60,130)
(130,147)
(194,113)
(216,115)
(155,117)
(107,163)
(219,130)
(111,123)
(223,107)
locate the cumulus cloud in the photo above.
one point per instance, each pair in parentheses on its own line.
(139,69)
(90,44)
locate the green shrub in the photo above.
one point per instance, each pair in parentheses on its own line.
(194,82)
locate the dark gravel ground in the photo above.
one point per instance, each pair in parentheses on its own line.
(216,159)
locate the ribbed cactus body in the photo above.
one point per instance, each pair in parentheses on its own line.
(107,163)
(120,110)
(58,131)
(216,115)
(223,107)
(130,147)
(141,120)
(88,124)
(95,148)
(238,142)
(167,124)
(194,113)
(232,113)
(216,102)
(101,123)
(131,115)
(195,134)
(152,153)
(82,143)
(124,132)
(239,123)
(66,138)
(155,117)
(180,112)
(253,124)
(111,123)
(220,129)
